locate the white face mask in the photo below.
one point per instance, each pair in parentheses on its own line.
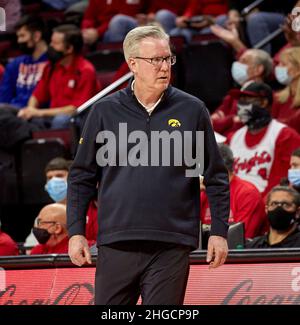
(239,72)
(282,76)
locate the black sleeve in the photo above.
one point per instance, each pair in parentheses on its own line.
(215,179)
(83,176)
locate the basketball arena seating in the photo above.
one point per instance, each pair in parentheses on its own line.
(202,69)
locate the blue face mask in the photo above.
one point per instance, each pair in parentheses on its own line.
(239,72)
(57,189)
(294,177)
(282,76)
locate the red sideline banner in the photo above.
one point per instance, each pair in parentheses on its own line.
(232,284)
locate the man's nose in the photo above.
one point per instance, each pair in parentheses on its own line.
(165,65)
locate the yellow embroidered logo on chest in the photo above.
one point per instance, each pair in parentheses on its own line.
(174,123)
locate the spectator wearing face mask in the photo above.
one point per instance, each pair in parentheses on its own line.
(286,107)
(56,172)
(51,232)
(263,147)
(254,65)
(23,73)
(68,81)
(283,211)
(294,171)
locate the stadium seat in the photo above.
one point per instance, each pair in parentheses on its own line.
(35,154)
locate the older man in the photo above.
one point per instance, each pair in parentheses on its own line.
(253,66)
(148,220)
(283,210)
(51,230)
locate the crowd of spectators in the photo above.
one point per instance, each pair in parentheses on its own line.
(259,118)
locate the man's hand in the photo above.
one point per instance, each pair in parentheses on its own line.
(181,22)
(217,251)
(79,251)
(229,36)
(90,35)
(29,112)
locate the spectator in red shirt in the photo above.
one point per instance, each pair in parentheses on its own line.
(67,82)
(253,65)
(286,106)
(51,232)
(7,245)
(110,20)
(263,147)
(246,204)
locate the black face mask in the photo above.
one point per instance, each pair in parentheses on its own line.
(53,55)
(281,219)
(42,235)
(254,116)
(24,48)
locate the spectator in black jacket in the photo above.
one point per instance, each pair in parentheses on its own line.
(283,211)
(149,215)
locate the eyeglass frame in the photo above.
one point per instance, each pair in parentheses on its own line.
(41,222)
(285,205)
(169,57)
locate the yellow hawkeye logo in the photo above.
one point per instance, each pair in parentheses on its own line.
(174,123)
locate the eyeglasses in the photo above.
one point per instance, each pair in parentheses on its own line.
(284,204)
(40,222)
(158,61)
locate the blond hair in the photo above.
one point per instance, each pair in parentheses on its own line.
(131,44)
(292,54)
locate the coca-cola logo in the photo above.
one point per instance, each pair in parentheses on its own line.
(69,296)
(242,295)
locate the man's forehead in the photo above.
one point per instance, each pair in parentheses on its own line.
(247,56)
(57,36)
(153,44)
(281,195)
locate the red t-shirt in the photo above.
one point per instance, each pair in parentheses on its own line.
(211,7)
(71,85)
(7,246)
(286,113)
(224,123)
(91,229)
(60,248)
(287,141)
(178,7)
(99,12)
(246,205)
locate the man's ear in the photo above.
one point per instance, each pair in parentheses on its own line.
(260,69)
(264,102)
(132,65)
(70,49)
(37,36)
(266,209)
(58,229)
